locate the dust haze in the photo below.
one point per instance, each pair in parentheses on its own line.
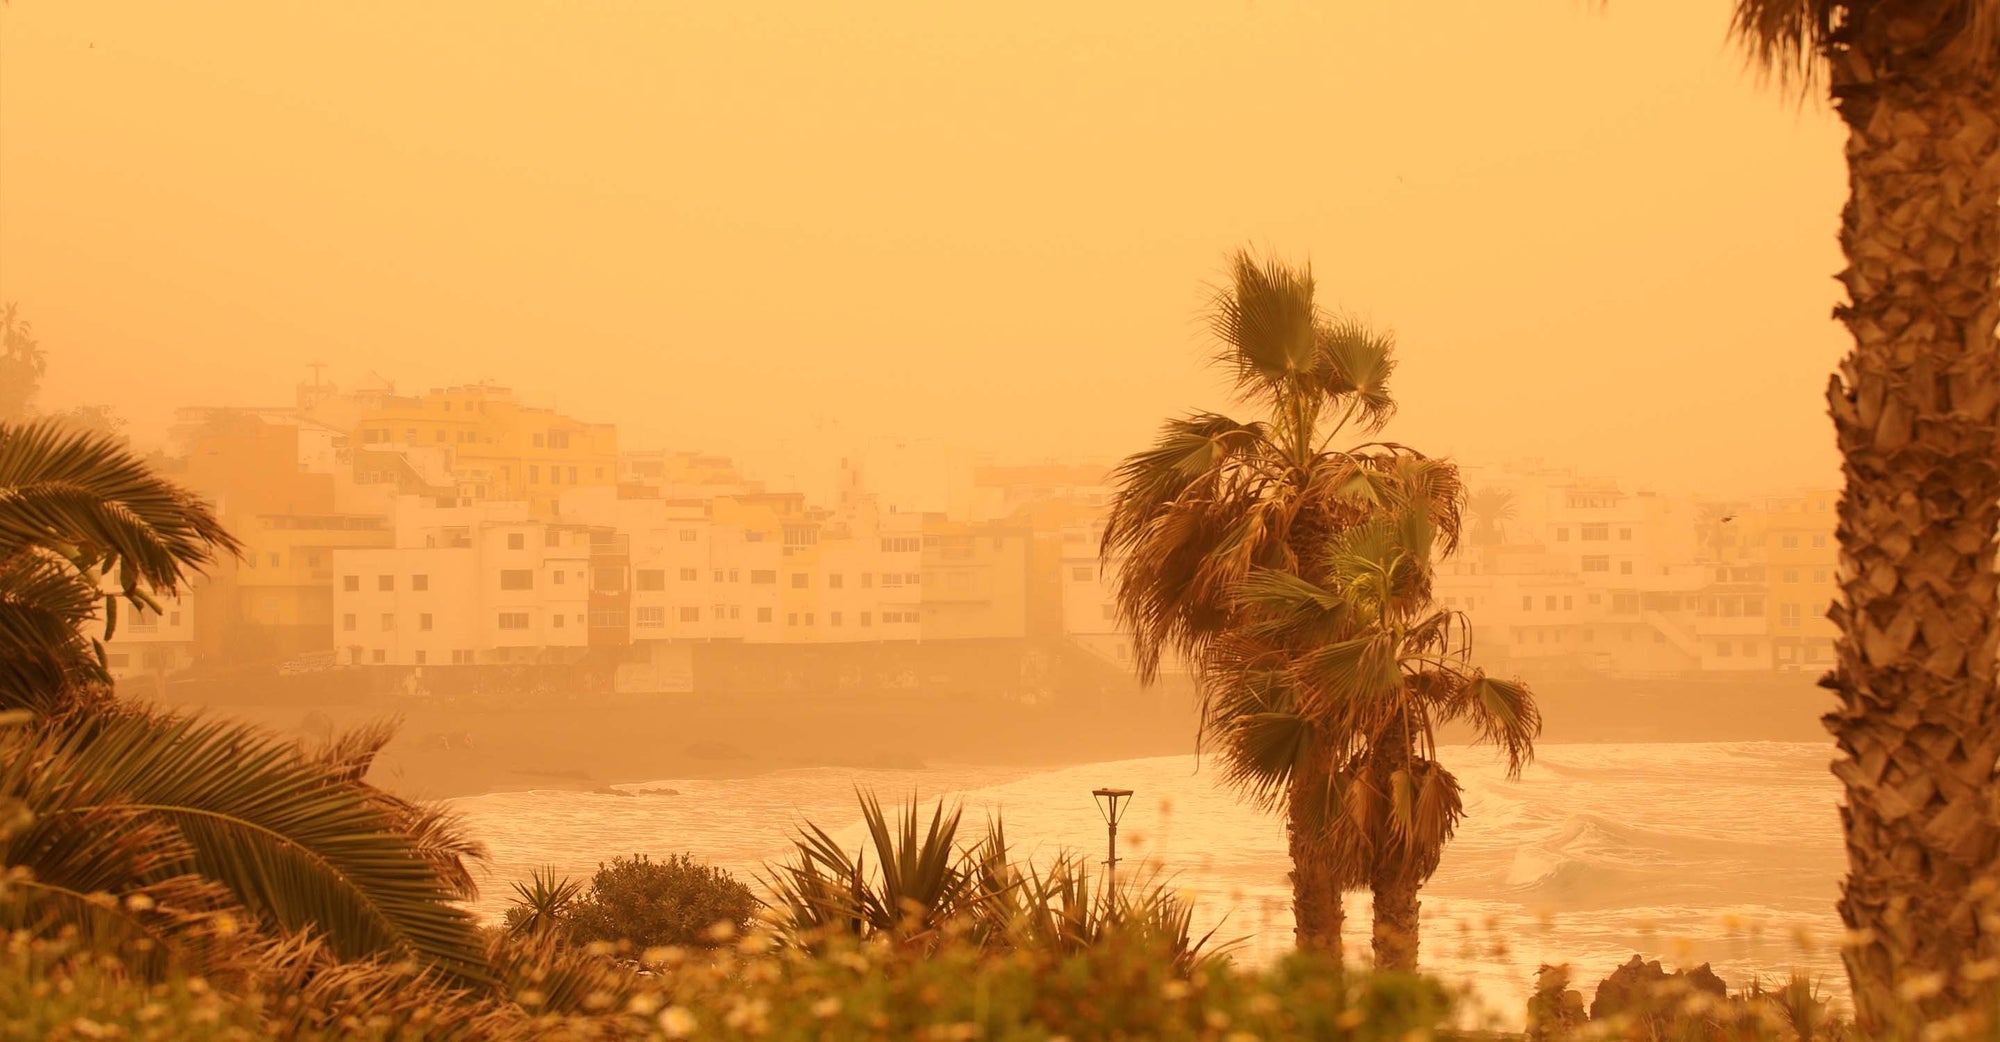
(646,392)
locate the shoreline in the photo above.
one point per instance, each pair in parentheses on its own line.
(459,748)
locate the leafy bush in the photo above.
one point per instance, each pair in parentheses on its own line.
(646,903)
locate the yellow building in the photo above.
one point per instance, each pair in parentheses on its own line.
(1802,558)
(501,448)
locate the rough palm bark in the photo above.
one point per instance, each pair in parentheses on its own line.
(1316,878)
(1395,892)
(1915,408)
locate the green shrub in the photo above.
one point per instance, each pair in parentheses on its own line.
(635,899)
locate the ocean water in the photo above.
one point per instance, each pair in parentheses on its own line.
(1727,853)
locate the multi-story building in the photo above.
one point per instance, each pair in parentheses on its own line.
(145,643)
(479,585)
(501,449)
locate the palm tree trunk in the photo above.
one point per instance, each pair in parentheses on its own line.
(1317,915)
(1915,407)
(1395,891)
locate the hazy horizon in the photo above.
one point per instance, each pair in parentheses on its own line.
(784,232)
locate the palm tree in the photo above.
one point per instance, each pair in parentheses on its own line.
(144,830)
(1387,669)
(1489,508)
(1915,408)
(1216,497)
(77,511)
(150,826)
(22,364)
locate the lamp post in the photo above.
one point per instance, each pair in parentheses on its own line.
(1112,803)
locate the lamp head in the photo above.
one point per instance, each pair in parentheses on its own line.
(1112,803)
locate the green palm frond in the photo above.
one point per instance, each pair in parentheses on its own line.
(44,653)
(1267,324)
(103,507)
(234,805)
(439,835)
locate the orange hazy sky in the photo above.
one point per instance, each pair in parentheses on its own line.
(786,228)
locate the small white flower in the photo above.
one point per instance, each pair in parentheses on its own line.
(677,1022)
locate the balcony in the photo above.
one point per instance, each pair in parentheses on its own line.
(1731,626)
(610,545)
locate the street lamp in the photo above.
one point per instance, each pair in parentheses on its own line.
(1112,803)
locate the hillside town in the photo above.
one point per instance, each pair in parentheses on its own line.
(411,535)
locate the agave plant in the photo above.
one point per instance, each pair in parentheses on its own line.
(923,881)
(1062,910)
(139,825)
(542,904)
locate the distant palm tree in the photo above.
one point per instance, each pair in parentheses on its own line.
(1488,509)
(22,364)
(1386,669)
(1217,498)
(1916,408)
(77,511)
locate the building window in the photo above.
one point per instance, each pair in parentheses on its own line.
(763,576)
(867,580)
(534,474)
(379,656)
(1788,616)
(385,583)
(388,622)
(834,618)
(1562,535)
(1819,575)
(833,583)
(1596,533)
(865,620)
(1567,603)
(1549,602)
(418,657)
(1596,563)
(1819,542)
(718,575)
(461,656)
(517,579)
(424,621)
(1624,568)
(513,620)
(350,583)
(1527,604)
(608,580)
(798,580)
(552,537)
(420,583)
(558,576)
(791,618)
(558,619)
(1724,649)
(572,475)
(763,615)
(1082,573)
(274,558)
(347,622)
(1749,649)
(689,535)
(690,614)
(809,618)
(688,575)
(1790,575)
(652,579)
(652,618)
(516,541)
(1789,542)
(1624,534)
(539,442)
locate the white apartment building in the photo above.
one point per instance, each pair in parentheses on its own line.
(476,585)
(144,643)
